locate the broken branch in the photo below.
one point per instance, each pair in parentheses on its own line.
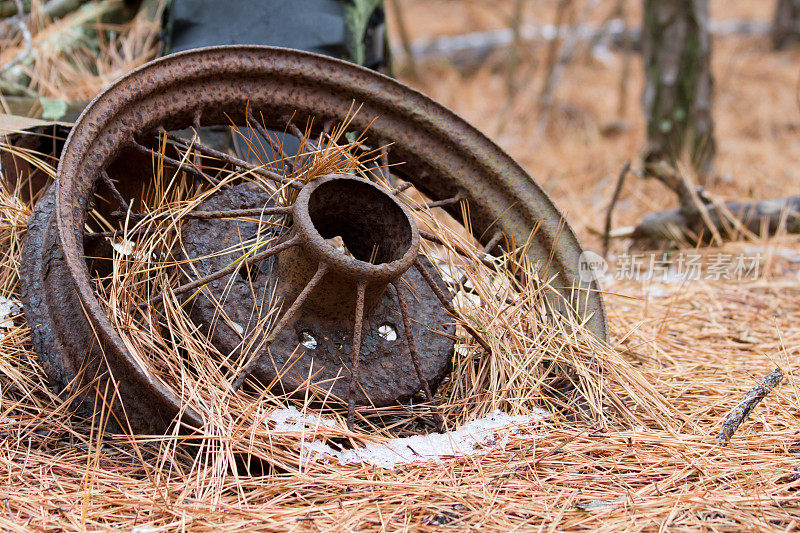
(747,404)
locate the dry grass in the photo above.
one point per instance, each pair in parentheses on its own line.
(640,457)
(75,57)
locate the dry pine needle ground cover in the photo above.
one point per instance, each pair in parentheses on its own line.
(681,356)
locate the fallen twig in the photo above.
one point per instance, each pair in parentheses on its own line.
(617,190)
(469,46)
(770,216)
(747,404)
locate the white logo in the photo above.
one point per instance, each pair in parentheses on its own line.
(591,266)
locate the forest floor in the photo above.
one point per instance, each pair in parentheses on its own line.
(691,342)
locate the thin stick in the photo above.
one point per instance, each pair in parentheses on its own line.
(441,203)
(627,51)
(558,66)
(747,404)
(357,327)
(412,348)
(617,190)
(448,305)
(269,252)
(208,215)
(297,304)
(513,61)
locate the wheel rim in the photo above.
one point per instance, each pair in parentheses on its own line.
(440,154)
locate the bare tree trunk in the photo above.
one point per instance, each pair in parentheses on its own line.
(786,23)
(678,92)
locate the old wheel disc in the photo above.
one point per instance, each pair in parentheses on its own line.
(326,295)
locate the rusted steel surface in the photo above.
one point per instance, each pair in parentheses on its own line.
(367,219)
(433,148)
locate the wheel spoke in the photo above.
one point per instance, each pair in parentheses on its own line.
(269,252)
(196,125)
(297,304)
(374,172)
(357,327)
(222,156)
(196,157)
(384,159)
(412,348)
(402,187)
(119,233)
(114,191)
(208,215)
(441,203)
(448,305)
(491,245)
(173,162)
(326,131)
(427,235)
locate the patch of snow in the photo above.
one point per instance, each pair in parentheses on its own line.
(470,439)
(146,529)
(123,248)
(601,504)
(290,419)
(8,308)
(449,273)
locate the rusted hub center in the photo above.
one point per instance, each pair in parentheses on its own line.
(379,236)
(380,242)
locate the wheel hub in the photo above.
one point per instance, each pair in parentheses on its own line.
(380,242)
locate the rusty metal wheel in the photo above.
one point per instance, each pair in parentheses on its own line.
(335,306)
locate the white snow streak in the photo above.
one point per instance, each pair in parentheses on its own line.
(474,437)
(8,308)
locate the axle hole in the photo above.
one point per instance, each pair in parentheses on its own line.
(372,226)
(387,332)
(308,340)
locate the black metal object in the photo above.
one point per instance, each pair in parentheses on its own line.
(354,30)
